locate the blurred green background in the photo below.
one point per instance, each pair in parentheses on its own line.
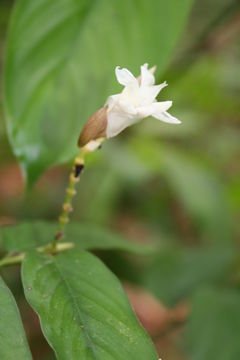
(177,187)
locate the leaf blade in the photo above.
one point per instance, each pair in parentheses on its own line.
(83,309)
(13,342)
(219,309)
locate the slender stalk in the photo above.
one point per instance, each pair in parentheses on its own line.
(74,178)
(54,247)
(12,260)
(48,249)
(78,166)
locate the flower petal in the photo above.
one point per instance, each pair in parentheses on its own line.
(166,117)
(125,77)
(154,108)
(147,78)
(118,121)
(127,107)
(112,101)
(148,94)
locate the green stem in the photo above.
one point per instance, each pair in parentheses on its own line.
(48,249)
(74,177)
(12,260)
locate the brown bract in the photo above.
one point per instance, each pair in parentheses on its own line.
(94,128)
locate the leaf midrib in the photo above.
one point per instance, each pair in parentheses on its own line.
(80,315)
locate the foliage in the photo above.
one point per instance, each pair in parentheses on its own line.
(83,309)
(66,62)
(219,311)
(173,190)
(28,236)
(13,340)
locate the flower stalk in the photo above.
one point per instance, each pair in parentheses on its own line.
(74,178)
(78,167)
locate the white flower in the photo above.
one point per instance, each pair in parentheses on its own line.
(136,101)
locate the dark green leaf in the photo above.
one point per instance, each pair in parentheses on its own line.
(13,342)
(83,309)
(213,329)
(27,236)
(176,273)
(60,64)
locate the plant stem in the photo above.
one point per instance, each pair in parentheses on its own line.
(74,177)
(12,260)
(17,259)
(78,166)
(54,247)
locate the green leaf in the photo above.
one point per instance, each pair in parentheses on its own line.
(198,188)
(60,64)
(177,272)
(202,193)
(13,342)
(213,328)
(83,309)
(28,236)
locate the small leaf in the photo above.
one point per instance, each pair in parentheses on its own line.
(13,342)
(60,69)
(83,309)
(27,236)
(213,328)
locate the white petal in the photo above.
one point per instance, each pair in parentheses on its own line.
(154,108)
(125,77)
(112,101)
(130,94)
(147,78)
(127,107)
(166,117)
(148,94)
(117,122)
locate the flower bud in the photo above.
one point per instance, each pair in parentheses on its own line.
(94,128)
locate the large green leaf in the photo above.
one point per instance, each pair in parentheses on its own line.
(83,309)
(213,328)
(13,342)
(28,236)
(60,64)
